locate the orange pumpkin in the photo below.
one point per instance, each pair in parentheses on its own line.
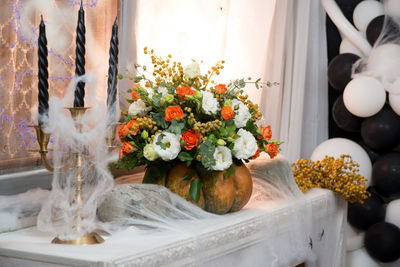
(227,195)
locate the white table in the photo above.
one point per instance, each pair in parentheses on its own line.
(251,237)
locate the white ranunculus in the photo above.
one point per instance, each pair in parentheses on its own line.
(223,158)
(138,108)
(172,143)
(245,146)
(162,90)
(149,152)
(192,71)
(209,103)
(242,113)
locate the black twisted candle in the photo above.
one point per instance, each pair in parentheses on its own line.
(80,59)
(43,74)
(112,73)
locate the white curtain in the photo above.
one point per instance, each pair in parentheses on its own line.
(279,40)
(298,108)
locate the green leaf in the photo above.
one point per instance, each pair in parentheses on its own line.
(230,129)
(251,126)
(258,80)
(195,189)
(185,156)
(215,178)
(257,86)
(188,176)
(231,170)
(206,151)
(176,127)
(159,118)
(160,143)
(223,131)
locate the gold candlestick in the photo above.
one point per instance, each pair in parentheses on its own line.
(75,161)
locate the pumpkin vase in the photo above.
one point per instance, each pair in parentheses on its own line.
(226,194)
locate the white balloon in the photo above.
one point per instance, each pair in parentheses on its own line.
(364,96)
(354,238)
(393,212)
(392,8)
(384,62)
(393,88)
(340,146)
(347,47)
(360,258)
(366,11)
(394,101)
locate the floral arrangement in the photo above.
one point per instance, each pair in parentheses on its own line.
(180,115)
(339,175)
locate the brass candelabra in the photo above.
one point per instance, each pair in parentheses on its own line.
(75,161)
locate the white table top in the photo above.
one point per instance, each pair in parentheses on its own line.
(233,232)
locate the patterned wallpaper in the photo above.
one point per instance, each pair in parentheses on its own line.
(19,21)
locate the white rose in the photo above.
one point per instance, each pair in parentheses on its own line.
(172,145)
(223,158)
(138,108)
(209,103)
(242,113)
(245,146)
(192,71)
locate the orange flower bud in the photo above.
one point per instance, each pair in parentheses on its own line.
(227,113)
(272,150)
(220,88)
(173,112)
(191,138)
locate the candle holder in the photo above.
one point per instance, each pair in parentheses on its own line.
(75,161)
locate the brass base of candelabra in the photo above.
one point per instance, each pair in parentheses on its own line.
(90,239)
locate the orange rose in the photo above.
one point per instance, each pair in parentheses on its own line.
(272,150)
(135,95)
(266,132)
(191,138)
(257,154)
(173,112)
(183,91)
(148,84)
(123,131)
(227,113)
(133,126)
(220,88)
(126,149)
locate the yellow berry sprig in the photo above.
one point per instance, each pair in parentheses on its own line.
(339,175)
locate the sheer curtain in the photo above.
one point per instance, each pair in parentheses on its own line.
(279,40)
(298,108)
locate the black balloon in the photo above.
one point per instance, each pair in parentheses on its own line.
(339,70)
(343,118)
(362,216)
(381,131)
(373,155)
(386,175)
(382,242)
(374,29)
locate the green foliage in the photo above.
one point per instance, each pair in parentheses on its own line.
(159,118)
(176,127)
(185,156)
(231,170)
(188,176)
(195,189)
(206,151)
